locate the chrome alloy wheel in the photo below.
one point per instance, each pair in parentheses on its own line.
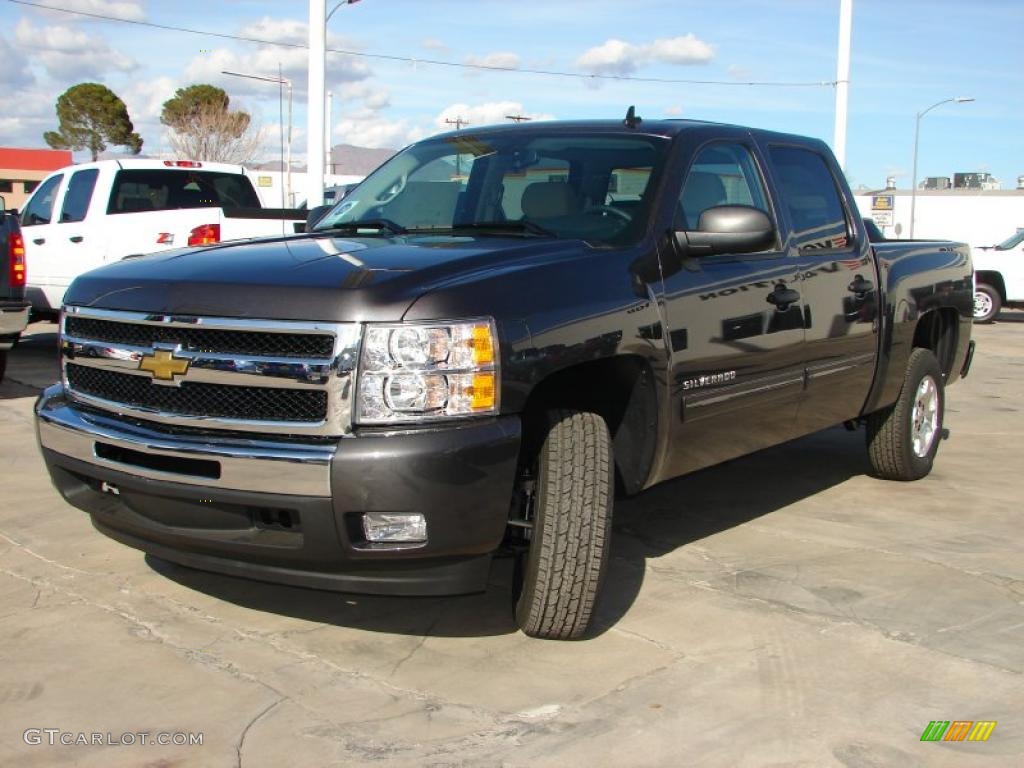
(925,418)
(982,304)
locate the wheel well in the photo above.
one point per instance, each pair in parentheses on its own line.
(937,330)
(994,279)
(619,389)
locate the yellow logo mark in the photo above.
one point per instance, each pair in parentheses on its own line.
(982,730)
(163,365)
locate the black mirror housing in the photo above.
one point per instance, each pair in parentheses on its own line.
(728,229)
(315,214)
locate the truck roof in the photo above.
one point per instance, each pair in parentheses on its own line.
(668,128)
(153,163)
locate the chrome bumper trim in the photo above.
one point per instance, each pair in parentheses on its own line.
(13,321)
(247,465)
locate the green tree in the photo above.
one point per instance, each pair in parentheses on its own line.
(204,127)
(91,115)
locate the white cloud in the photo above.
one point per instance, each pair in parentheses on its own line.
(674,110)
(617,57)
(14,73)
(368,129)
(121,9)
(433,44)
(374,98)
(69,53)
(498,60)
(484,114)
(737,72)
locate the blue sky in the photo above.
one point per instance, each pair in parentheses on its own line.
(907,54)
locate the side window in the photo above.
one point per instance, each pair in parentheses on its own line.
(721,174)
(39,209)
(811,196)
(76,199)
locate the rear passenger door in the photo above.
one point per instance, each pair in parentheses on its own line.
(736,358)
(838,284)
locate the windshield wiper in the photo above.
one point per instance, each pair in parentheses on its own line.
(385,225)
(523,227)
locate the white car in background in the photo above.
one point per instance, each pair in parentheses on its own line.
(87,215)
(998,277)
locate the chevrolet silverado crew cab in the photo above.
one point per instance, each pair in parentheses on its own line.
(999,278)
(84,216)
(484,342)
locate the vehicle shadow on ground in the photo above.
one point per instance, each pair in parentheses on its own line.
(31,365)
(650,525)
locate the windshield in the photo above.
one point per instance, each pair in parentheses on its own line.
(531,184)
(1011,242)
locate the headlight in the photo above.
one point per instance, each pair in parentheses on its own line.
(424,371)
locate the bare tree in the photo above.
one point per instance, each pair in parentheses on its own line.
(209,132)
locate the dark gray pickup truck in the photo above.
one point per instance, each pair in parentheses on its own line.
(14,309)
(482,343)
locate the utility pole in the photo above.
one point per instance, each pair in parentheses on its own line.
(315,103)
(518,118)
(458,122)
(843,79)
(327,132)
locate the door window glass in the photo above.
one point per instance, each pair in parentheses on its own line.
(39,209)
(721,174)
(76,199)
(809,192)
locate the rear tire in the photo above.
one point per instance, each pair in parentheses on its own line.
(571,527)
(904,438)
(987,303)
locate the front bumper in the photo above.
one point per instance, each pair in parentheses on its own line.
(291,512)
(13,319)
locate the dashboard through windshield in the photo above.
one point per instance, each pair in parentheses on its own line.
(594,187)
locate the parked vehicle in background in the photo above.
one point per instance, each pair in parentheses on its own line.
(495,332)
(333,194)
(13,306)
(84,216)
(998,277)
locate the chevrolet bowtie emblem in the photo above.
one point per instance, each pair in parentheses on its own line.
(164,365)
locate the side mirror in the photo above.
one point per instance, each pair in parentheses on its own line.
(315,214)
(728,229)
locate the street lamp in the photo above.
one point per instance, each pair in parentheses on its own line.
(280,80)
(917,134)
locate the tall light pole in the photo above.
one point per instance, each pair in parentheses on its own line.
(316,153)
(843,79)
(280,80)
(315,103)
(917,135)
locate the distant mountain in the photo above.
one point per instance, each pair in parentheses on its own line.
(346,159)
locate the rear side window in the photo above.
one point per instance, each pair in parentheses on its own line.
(76,199)
(39,209)
(161,190)
(810,193)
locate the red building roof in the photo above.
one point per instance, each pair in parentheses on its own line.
(34,159)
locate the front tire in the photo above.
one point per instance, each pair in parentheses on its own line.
(904,438)
(987,303)
(571,531)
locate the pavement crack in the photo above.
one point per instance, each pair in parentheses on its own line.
(415,648)
(245,731)
(28,551)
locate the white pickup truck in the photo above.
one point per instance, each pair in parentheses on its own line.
(998,277)
(84,216)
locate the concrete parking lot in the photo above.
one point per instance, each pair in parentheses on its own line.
(784,609)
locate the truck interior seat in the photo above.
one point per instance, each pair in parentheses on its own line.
(703,190)
(550,199)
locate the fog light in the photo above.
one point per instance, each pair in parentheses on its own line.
(395,527)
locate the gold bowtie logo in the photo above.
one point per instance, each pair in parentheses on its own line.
(164,365)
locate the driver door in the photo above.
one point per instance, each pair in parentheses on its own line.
(736,357)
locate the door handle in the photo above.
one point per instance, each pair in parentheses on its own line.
(782,297)
(76,238)
(860,285)
(39,240)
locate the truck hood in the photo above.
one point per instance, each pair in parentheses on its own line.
(308,277)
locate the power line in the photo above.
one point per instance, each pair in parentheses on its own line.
(438,62)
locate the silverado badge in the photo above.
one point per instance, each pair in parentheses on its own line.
(163,365)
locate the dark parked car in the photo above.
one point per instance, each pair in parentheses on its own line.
(14,308)
(507,326)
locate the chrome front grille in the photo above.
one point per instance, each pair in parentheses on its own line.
(284,377)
